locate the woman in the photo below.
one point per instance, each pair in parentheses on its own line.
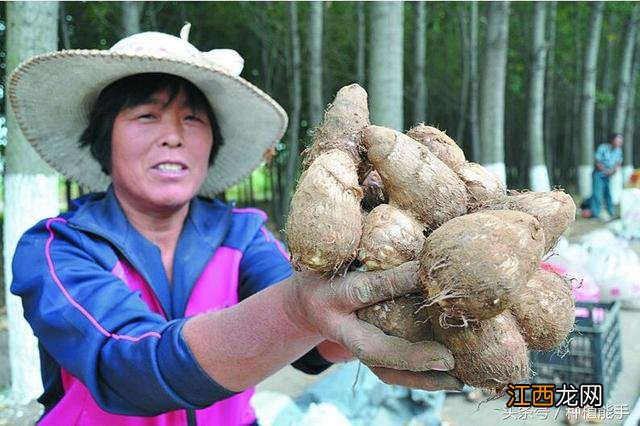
(152,304)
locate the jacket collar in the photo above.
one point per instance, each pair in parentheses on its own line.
(207,222)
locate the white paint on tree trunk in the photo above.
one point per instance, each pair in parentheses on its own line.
(584,180)
(627,171)
(615,185)
(28,198)
(539,178)
(499,170)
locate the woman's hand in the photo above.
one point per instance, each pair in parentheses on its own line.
(327,307)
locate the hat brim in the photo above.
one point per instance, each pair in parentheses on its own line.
(52,95)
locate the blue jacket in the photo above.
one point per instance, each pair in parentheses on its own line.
(124,343)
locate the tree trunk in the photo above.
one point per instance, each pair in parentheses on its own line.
(630,123)
(625,72)
(475,78)
(538,174)
(361,44)
(419,60)
(464,88)
(493,88)
(131,11)
(296,106)
(611,38)
(550,106)
(588,100)
(30,187)
(622,99)
(386,67)
(316,103)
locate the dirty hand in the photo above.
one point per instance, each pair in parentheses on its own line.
(328,307)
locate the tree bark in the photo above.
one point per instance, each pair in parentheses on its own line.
(493,89)
(419,62)
(30,187)
(630,123)
(549,91)
(296,106)
(538,175)
(361,44)
(386,64)
(611,37)
(622,99)
(131,11)
(475,91)
(588,100)
(316,103)
(625,72)
(464,88)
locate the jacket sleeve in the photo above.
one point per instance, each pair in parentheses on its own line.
(133,361)
(266,262)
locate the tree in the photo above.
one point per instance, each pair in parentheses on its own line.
(361,44)
(549,101)
(465,56)
(493,89)
(419,62)
(316,103)
(622,99)
(630,124)
(131,11)
(538,174)
(588,100)
(386,64)
(296,106)
(473,74)
(604,94)
(30,186)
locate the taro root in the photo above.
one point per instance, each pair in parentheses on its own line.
(441,145)
(390,238)
(545,310)
(325,219)
(415,179)
(343,121)
(489,354)
(403,317)
(373,190)
(483,187)
(555,210)
(473,266)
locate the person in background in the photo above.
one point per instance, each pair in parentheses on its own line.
(608,160)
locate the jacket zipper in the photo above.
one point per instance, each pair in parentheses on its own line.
(217,244)
(191,418)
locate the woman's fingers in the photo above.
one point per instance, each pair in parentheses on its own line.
(363,289)
(376,349)
(426,380)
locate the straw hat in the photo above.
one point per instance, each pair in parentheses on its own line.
(53,94)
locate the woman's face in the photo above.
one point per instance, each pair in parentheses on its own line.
(159,153)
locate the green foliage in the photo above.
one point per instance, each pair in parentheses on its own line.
(260,32)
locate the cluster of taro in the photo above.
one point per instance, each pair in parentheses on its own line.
(373,198)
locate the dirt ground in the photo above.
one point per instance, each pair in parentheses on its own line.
(458,411)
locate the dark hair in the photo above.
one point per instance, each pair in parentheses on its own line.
(132,91)
(614,135)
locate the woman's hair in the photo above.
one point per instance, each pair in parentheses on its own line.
(132,91)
